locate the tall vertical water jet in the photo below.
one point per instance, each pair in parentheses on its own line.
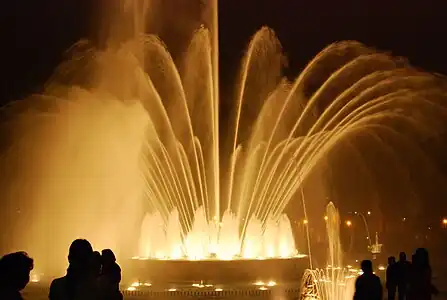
(334,282)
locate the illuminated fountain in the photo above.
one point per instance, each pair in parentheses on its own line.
(124,147)
(220,240)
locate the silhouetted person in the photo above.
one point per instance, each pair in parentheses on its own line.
(110,277)
(14,274)
(79,283)
(421,287)
(391,278)
(368,285)
(96,264)
(403,277)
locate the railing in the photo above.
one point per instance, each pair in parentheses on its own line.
(41,292)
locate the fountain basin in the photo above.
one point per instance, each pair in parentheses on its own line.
(217,271)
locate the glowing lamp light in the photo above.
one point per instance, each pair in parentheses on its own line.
(325,218)
(218,290)
(271,283)
(305,222)
(348,223)
(369,213)
(444,221)
(382,268)
(131,288)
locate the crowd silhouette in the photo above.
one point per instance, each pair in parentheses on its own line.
(409,280)
(96,276)
(90,275)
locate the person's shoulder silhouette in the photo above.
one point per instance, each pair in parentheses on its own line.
(14,274)
(110,276)
(421,287)
(368,285)
(79,282)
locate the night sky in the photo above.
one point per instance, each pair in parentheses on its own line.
(36,34)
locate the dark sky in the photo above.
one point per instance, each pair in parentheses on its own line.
(35,34)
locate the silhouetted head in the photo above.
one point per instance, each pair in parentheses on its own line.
(391,260)
(14,270)
(108,256)
(402,256)
(367,266)
(80,252)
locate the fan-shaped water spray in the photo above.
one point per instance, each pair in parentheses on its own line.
(124,146)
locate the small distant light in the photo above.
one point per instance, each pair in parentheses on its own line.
(259,283)
(218,290)
(135,284)
(348,223)
(172,290)
(429,227)
(326,218)
(367,237)
(305,221)
(382,268)
(355,212)
(369,213)
(263,288)
(357,260)
(444,221)
(131,288)
(404,219)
